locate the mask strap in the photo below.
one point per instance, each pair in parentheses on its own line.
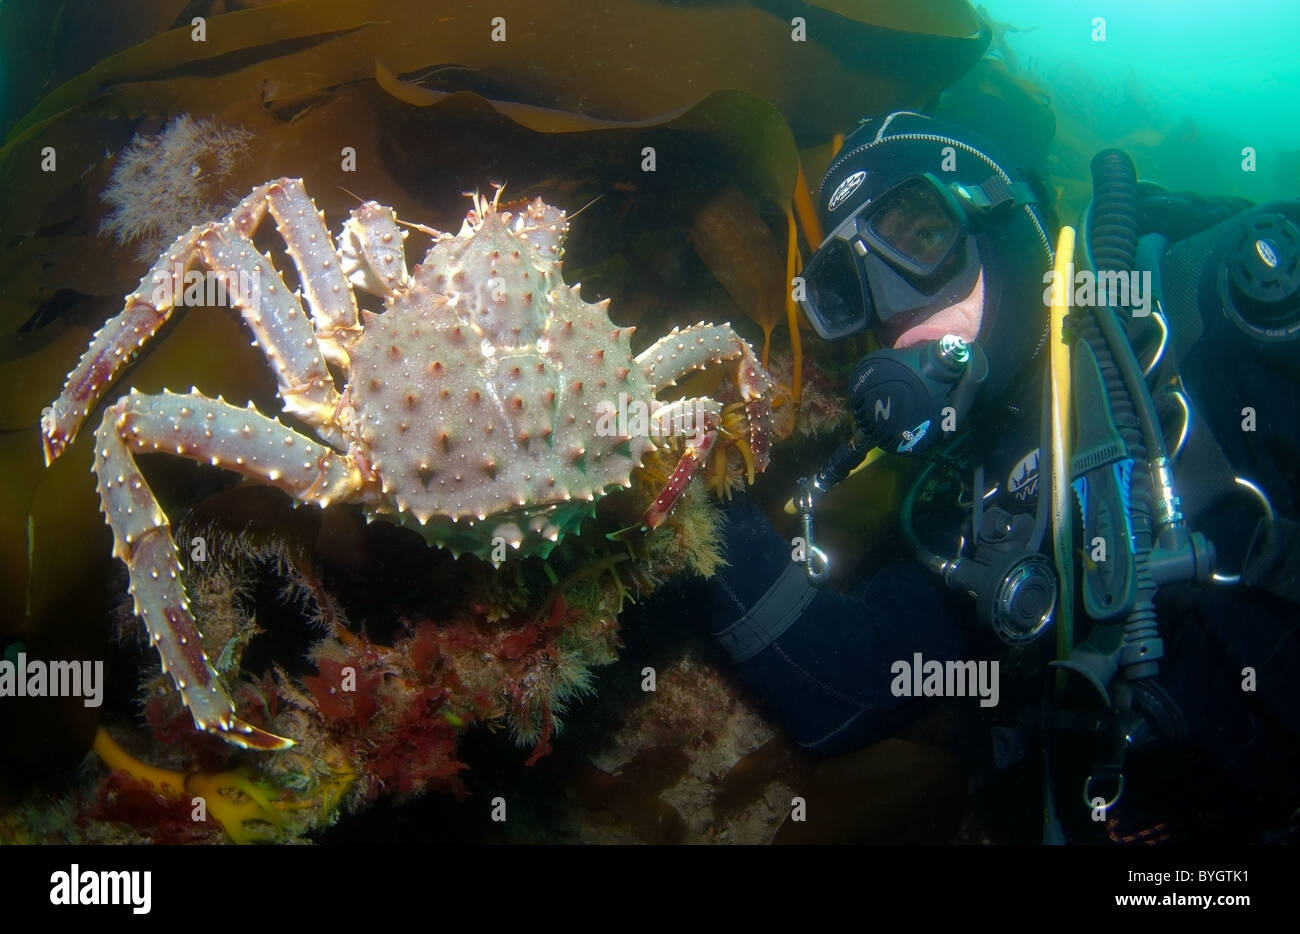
(993,194)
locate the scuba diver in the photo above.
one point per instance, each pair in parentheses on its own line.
(1116,527)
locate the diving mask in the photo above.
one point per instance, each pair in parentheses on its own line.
(908,251)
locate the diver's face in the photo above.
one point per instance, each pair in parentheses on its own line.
(962,318)
(916,225)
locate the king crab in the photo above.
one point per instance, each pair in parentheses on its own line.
(469,409)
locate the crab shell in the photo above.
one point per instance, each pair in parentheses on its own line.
(477,391)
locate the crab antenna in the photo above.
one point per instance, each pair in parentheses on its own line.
(353,194)
(420,227)
(587,205)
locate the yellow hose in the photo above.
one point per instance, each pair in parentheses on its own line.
(873,455)
(1062,509)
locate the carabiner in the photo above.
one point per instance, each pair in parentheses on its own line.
(817,564)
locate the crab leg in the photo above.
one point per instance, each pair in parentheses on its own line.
(250,443)
(307,241)
(675,355)
(114,344)
(275,314)
(282,330)
(371,249)
(700,419)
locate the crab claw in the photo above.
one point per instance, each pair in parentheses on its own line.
(250,737)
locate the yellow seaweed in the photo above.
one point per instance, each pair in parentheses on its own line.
(806,211)
(792,267)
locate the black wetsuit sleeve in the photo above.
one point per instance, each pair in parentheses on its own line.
(818,660)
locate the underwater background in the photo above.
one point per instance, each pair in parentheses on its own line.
(523,684)
(1182,86)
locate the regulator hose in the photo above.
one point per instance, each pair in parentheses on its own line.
(1113,245)
(1114,224)
(844,461)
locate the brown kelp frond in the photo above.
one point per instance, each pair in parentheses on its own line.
(737,246)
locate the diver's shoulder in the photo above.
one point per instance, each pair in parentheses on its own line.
(1177,215)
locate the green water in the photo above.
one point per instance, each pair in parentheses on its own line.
(1197,80)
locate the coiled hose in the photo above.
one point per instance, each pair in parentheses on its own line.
(1114,223)
(1113,244)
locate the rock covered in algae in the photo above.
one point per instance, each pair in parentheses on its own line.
(698,714)
(508,649)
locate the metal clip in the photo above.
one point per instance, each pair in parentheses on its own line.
(1089,796)
(1270,519)
(817,565)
